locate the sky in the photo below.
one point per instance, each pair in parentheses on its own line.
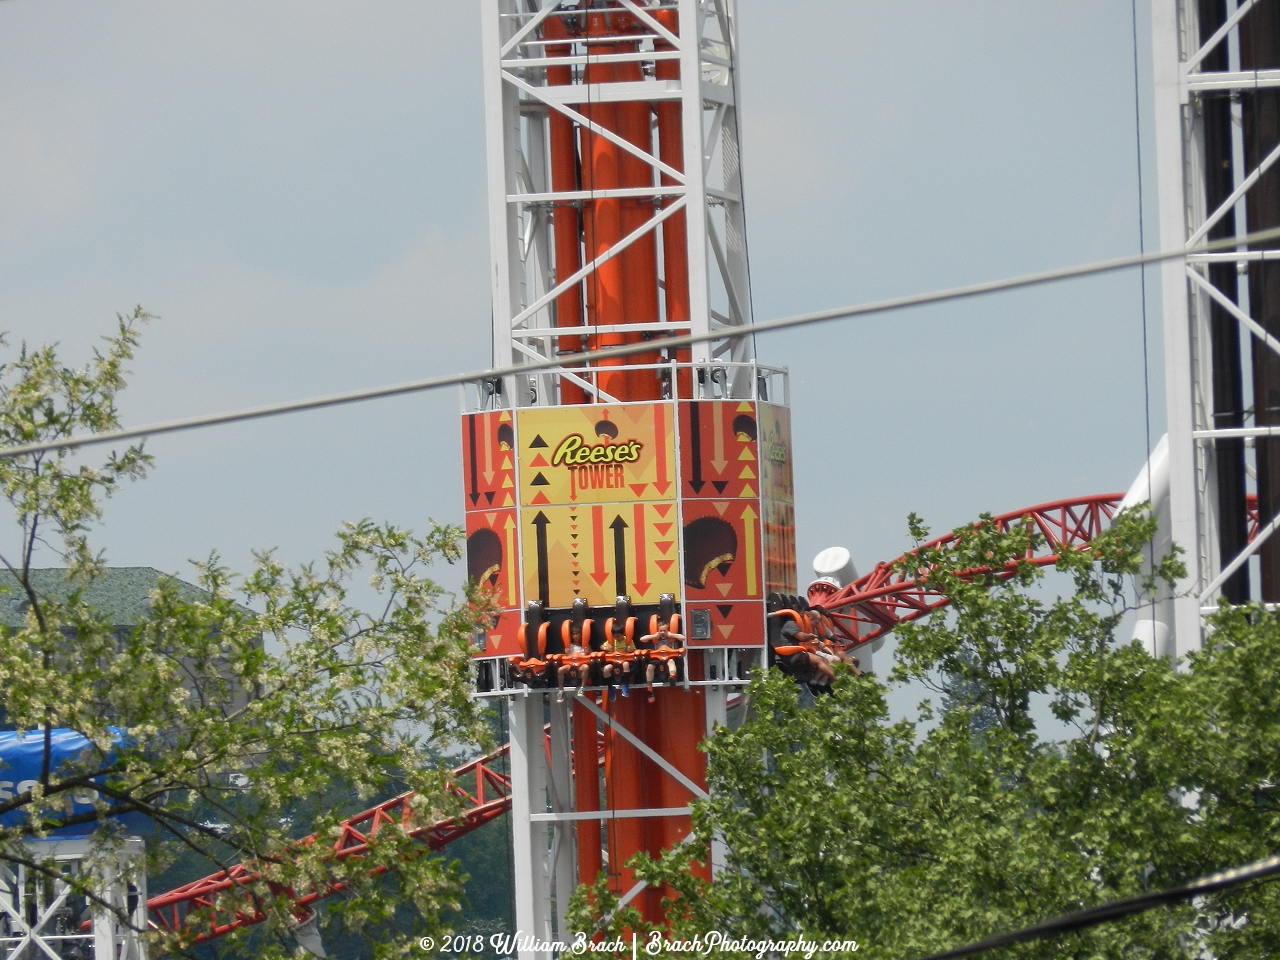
(297,190)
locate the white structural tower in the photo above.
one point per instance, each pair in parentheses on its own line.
(615,216)
(538,61)
(1217,99)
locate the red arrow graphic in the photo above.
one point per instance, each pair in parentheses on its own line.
(660,452)
(641,583)
(599,574)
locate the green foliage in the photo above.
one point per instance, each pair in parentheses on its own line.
(240,706)
(837,823)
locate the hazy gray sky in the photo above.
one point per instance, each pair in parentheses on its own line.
(297,189)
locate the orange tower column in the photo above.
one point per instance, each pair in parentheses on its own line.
(602,220)
(565,219)
(675,233)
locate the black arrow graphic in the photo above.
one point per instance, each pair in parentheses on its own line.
(619,555)
(695,445)
(544,575)
(475,489)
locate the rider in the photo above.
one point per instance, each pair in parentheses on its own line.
(619,649)
(664,639)
(576,649)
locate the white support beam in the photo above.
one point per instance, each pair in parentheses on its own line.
(1184,506)
(1192,206)
(530,848)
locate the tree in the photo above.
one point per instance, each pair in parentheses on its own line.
(913,837)
(193,715)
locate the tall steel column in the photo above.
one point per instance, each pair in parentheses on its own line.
(616,217)
(1217,118)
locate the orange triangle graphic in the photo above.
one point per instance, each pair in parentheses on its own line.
(663,545)
(721,506)
(663,508)
(496,640)
(725,629)
(723,588)
(539,461)
(663,565)
(661,487)
(638,488)
(746,454)
(540,498)
(490,517)
(662,528)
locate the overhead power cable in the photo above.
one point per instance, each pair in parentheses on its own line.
(1120,908)
(648,346)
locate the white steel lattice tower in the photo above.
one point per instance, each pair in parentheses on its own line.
(551,67)
(1217,119)
(616,217)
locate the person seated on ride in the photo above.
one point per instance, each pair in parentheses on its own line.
(619,652)
(833,650)
(663,641)
(575,662)
(793,634)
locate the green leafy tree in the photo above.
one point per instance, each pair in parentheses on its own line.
(241,705)
(912,837)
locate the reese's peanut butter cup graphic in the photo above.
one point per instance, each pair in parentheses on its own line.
(710,543)
(484,556)
(744,427)
(506,436)
(607,428)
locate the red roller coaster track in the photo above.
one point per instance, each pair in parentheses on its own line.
(222,902)
(864,610)
(878,601)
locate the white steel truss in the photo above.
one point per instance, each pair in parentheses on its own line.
(1214,65)
(534,73)
(44,914)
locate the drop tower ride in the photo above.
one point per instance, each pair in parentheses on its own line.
(604,495)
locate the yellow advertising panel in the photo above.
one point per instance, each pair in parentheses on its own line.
(599,552)
(599,453)
(775,453)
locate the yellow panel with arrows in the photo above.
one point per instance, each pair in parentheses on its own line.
(600,551)
(596,453)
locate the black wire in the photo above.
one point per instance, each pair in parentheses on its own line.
(1107,912)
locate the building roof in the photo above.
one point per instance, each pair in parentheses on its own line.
(121,594)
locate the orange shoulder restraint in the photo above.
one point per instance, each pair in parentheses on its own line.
(566,635)
(524,644)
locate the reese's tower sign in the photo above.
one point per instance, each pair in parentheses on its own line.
(594,501)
